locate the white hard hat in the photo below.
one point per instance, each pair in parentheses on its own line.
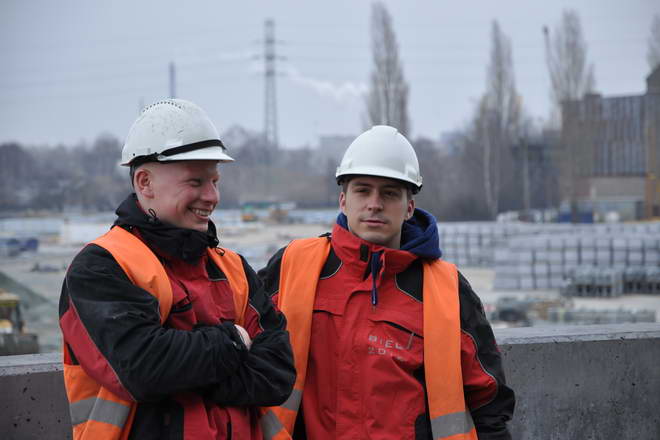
(383,152)
(173,129)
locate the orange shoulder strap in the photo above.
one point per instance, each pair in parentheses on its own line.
(302,263)
(140,264)
(231,265)
(450,418)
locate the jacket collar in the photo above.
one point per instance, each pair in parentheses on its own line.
(419,236)
(357,254)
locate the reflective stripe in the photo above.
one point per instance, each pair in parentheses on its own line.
(451,424)
(293,402)
(81,410)
(270,425)
(99,410)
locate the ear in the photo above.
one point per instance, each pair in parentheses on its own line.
(410,209)
(342,202)
(143,182)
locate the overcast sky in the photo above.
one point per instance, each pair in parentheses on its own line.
(72,70)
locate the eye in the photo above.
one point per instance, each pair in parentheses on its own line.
(195,182)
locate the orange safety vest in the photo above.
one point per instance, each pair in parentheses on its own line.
(302,263)
(96,412)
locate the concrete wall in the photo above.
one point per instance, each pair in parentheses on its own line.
(33,403)
(582,382)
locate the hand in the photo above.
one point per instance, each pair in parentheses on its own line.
(266,376)
(245,337)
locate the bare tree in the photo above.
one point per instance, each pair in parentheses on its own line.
(498,119)
(572,79)
(566,56)
(653,54)
(387,99)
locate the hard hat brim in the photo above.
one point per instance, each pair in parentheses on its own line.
(377,172)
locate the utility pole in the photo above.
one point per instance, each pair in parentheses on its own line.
(270,99)
(172,80)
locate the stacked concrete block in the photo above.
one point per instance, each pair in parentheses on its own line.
(541,256)
(619,252)
(603,245)
(590,316)
(634,279)
(635,251)
(506,268)
(474,243)
(653,280)
(651,246)
(608,250)
(587,250)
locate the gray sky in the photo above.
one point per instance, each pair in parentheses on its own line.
(71,70)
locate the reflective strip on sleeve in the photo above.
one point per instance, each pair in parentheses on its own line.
(99,410)
(451,424)
(293,402)
(270,425)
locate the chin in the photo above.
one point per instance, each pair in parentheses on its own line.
(375,239)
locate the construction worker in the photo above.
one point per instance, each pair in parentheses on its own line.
(390,341)
(166,335)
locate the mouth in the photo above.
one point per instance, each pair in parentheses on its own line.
(373,222)
(203,213)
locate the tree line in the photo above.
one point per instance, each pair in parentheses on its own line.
(88,177)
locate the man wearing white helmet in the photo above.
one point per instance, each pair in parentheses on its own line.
(390,341)
(167,335)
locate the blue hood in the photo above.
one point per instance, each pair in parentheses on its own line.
(419,235)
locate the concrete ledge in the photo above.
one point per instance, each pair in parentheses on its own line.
(576,333)
(584,382)
(580,382)
(33,404)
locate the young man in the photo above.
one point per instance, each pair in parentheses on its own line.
(165,334)
(390,341)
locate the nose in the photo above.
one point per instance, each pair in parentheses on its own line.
(375,202)
(210,193)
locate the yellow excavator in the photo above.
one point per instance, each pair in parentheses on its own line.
(14,337)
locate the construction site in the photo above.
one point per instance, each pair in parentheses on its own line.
(549,207)
(525,274)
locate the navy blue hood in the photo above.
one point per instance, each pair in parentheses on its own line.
(419,235)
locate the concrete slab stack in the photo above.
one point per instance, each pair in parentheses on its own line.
(591,317)
(615,259)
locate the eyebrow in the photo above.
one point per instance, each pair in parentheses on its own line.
(386,186)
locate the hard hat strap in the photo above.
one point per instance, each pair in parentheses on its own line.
(194,146)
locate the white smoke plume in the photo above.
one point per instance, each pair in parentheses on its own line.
(345,91)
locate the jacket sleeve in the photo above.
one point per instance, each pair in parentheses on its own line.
(112,329)
(490,401)
(267,375)
(261,313)
(270,275)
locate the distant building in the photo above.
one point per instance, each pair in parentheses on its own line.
(611,153)
(537,156)
(332,147)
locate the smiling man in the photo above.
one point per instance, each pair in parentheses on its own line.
(166,335)
(390,341)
